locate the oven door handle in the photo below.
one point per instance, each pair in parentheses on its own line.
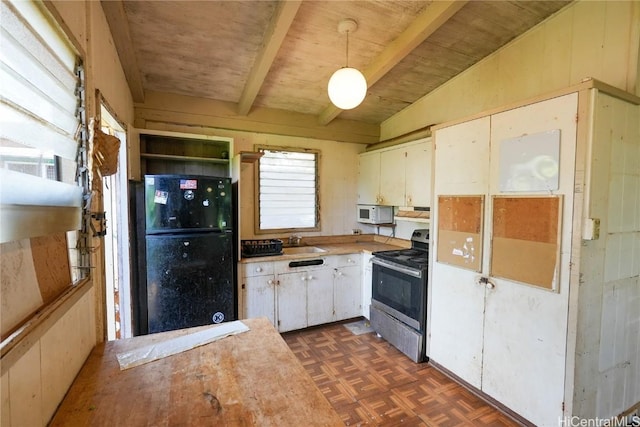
(398,268)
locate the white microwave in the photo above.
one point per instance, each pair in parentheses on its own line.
(375,214)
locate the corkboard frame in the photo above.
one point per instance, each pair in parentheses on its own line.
(526,238)
(460,231)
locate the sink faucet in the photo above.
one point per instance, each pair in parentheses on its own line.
(294,240)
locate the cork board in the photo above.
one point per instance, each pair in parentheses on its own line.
(525,245)
(460,220)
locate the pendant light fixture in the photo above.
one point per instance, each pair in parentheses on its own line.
(347,87)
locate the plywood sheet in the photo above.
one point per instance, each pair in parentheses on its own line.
(526,239)
(51,261)
(19,292)
(460,231)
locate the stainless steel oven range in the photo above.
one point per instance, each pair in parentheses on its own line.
(399,303)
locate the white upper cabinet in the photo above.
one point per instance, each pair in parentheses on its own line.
(392,176)
(396,176)
(369,178)
(418,169)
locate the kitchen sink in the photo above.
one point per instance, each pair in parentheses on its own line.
(302,250)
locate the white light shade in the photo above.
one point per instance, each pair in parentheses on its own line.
(347,88)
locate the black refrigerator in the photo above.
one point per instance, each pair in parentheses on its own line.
(188,251)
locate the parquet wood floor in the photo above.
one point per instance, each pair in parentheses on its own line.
(369,382)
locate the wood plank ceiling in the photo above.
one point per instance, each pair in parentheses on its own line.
(281,54)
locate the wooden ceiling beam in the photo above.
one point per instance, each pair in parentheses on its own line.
(119,26)
(277,31)
(434,16)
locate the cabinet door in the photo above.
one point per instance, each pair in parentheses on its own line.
(418,175)
(526,326)
(320,297)
(457,300)
(258,295)
(369,178)
(392,177)
(347,290)
(292,301)
(367,292)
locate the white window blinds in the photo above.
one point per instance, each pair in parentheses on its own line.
(39,125)
(288,190)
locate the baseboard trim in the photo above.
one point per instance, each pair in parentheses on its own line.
(490,400)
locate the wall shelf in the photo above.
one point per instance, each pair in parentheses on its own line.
(413,219)
(184,154)
(175,157)
(250,156)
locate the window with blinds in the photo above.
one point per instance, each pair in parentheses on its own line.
(41,125)
(287,190)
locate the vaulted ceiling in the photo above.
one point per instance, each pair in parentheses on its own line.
(281,54)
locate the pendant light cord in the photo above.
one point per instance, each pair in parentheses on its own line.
(347,61)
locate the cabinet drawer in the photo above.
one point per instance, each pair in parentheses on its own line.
(252,269)
(348,260)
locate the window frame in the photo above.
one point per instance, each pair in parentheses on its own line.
(22,218)
(258,230)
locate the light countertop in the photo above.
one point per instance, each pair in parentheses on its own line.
(333,248)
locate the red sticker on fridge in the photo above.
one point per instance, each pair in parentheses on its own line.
(188,184)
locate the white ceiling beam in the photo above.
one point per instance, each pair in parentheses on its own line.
(119,25)
(434,16)
(275,34)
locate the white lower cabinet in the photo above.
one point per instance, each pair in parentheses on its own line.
(347,286)
(259,297)
(257,291)
(291,297)
(320,297)
(297,297)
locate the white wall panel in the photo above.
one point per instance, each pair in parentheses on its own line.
(65,347)
(615,197)
(25,395)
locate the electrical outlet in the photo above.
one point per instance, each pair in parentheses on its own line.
(356,231)
(591,229)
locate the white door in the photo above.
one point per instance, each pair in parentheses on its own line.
(292,301)
(526,326)
(347,292)
(259,297)
(457,300)
(320,297)
(368,178)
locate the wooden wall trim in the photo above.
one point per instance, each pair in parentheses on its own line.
(584,85)
(194,111)
(16,345)
(482,395)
